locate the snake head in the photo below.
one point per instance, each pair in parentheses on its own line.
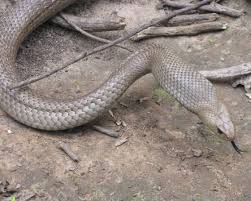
(218,120)
(224,123)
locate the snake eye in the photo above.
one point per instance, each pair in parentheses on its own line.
(219,131)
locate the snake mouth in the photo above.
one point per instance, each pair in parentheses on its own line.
(220,131)
(234,145)
(227,134)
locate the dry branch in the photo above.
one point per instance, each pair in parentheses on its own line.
(228,74)
(85,33)
(213,7)
(117,41)
(106,131)
(64,147)
(91,24)
(191,19)
(189,30)
(244,81)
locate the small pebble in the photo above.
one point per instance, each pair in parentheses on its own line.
(248,95)
(124,124)
(234,103)
(18,186)
(118,122)
(197,152)
(189,49)
(159,188)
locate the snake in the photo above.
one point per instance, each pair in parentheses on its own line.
(182,81)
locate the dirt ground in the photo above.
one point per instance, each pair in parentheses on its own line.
(167,156)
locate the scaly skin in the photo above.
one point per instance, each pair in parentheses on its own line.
(188,86)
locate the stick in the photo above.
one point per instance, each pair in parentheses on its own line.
(121,142)
(106,131)
(245,81)
(91,24)
(214,7)
(64,147)
(191,19)
(189,30)
(228,74)
(119,40)
(77,28)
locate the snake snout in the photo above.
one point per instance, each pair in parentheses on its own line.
(224,123)
(229,134)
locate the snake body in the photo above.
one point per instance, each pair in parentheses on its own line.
(188,86)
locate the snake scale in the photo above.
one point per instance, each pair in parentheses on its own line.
(188,86)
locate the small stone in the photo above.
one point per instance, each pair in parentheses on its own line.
(229,42)
(197,152)
(189,49)
(118,123)
(124,124)
(10,132)
(248,95)
(234,103)
(226,52)
(175,134)
(222,59)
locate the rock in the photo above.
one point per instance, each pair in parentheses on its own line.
(197,152)
(10,132)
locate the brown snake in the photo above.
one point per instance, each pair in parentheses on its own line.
(188,86)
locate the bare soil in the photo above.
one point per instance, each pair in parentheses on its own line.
(167,155)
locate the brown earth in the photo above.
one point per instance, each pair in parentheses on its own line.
(166,157)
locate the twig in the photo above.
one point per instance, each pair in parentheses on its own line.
(237,75)
(214,7)
(191,19)
(64,147)
(119,40)
(121,142)
(106,131)
(85,33)
(244,81)
(123,104)
(228,74)
(189,30)
(92,24)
